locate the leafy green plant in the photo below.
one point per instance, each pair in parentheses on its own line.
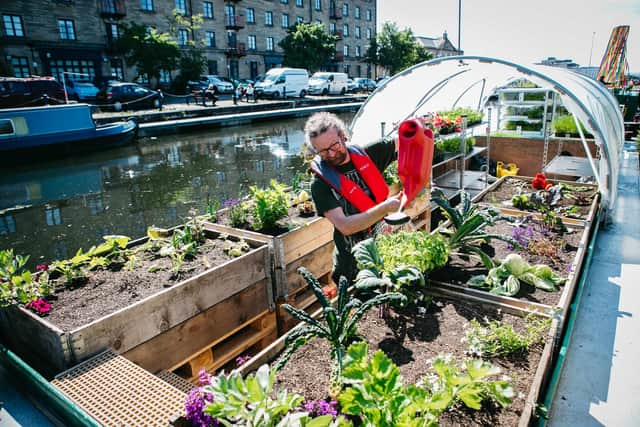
(452,145)
(339,326)
(17,284)
(563,125)
(73,269)
(236,249)
(269,205)
(473,116)
(391,174)
(468,222)
(505,278)
(238,214)
(493,338)
(416,248)
(376,394)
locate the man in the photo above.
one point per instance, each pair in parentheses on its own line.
(348,189)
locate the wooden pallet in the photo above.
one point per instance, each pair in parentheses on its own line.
(252,336)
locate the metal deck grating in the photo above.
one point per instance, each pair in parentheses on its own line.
(117,392)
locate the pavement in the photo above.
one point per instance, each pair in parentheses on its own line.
(598,385)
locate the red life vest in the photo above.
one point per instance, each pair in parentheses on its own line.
(349,189)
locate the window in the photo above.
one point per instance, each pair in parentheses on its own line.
(345,30)
(318,5)
(80,66)
(345,50)
(165,77)
(13,25)
(113,32)
(8,225)
(356,12)
(357,32)
(210,38)
(52,216)
(251,42)
(299,19)
(299,3)
(318,21)
(357,51)
(20,66)
(65,27)
(183,37)
(269,43)
(345,68)
(117,69)
(251,16)
(368,33)
(207,10)
(368,15)
(285,20)
(212,66)
(332,27)
(146,5)
(284,1)
(268,18)
(181,6)
(345,9)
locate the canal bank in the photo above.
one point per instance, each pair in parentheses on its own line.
(175,118)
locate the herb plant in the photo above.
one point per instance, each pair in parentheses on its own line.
(493,338)
(269,205)
(339,326)
(19,285)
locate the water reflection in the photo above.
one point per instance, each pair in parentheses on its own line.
(51,209)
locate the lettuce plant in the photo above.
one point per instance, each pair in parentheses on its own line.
(338,327)
(269,205)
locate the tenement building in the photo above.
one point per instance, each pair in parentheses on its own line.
(239,37)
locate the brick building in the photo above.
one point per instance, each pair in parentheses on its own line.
(49,37)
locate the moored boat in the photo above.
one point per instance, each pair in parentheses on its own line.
(59,129)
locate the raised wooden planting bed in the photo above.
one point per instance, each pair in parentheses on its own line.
(499,195)
(158,331)
(411,340)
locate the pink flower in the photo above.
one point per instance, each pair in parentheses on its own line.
(39,306)
(42,267)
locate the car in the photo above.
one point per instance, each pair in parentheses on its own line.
(127,96)
(352,86)
(30,91)
(381,81)
(364,84)
(80,90)
(219,85)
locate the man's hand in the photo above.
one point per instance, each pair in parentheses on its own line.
(352,224)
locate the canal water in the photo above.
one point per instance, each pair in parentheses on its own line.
(51,209)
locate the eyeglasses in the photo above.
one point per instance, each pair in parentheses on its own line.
(332,147)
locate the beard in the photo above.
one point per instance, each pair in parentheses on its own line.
(339,158)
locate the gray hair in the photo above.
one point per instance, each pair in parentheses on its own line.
(320,123)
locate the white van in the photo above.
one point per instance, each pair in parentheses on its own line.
(324,83)
(294,80)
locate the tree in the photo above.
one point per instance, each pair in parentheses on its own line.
(308,46)
(147,49)
(192,60)
(398,50)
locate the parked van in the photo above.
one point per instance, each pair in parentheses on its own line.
(324,83)
(294,80)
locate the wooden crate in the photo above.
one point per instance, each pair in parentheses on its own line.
(51,350)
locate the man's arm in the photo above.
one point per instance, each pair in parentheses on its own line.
(352,224)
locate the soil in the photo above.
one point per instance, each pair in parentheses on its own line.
(500,196)
(106,291)
(460,269)
(412,341)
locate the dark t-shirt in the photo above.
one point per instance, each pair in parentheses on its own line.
(382,153)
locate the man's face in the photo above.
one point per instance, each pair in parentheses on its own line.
(331,147)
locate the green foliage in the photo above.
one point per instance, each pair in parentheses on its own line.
(269,205)
(473,116)
(339,326)
(375,276)
(563,125)
(505,278)
(238,214)
(376,394)
(452,145)
(308,45)
(148,50)
(468,222)
(494,338)
(412,248)
(391,174)
(249,402)
(524,126)
(18,285)
(396,50)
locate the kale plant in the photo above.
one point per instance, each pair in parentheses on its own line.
(339,326)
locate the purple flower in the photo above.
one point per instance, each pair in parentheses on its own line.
(522,235)
(241,360)
(204,378)
(194,405)
(230,203)
(316,408)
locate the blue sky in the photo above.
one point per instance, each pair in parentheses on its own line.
(523,31)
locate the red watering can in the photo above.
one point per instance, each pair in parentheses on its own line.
(415,157)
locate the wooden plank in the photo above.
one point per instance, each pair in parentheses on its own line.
(319,263)
(180,342)
(305,239)
(38,342)
(158,313)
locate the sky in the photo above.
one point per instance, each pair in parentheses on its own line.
(522,31)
